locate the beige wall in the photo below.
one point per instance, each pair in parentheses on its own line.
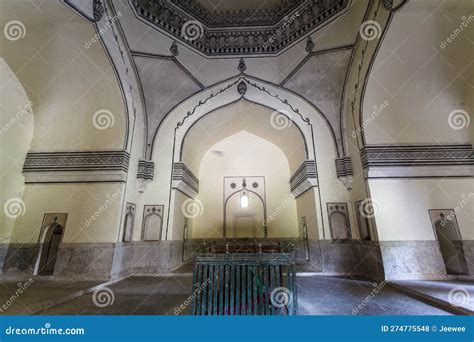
(16,132)
(422,81)
(67,84)
(245,154)
(94,211)
(306,205)
(403,206)
(66,81)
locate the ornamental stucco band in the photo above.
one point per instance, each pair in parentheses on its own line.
(241,40)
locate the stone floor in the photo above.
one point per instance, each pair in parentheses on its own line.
(37,294)
(320,295)
(455,292)
(317,295)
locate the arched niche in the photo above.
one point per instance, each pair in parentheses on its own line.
(172,134)
(245,222)
(266,171)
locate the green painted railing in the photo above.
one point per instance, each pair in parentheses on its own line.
(244,284)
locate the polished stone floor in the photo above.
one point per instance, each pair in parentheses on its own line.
(37,294)
(455,292)
(317,295)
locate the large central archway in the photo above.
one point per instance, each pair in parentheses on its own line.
(178,182)
(244,141)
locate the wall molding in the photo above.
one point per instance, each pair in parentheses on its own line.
(232,37)
(387,161)
(344,171)
(184,180)
(76,166)
(304,178)
(146,169)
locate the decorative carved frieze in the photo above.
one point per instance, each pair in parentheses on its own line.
(146,169)
(304,178)
(91,166)
(344,171)
(344,167)
(418,160)
(233,37)
(145,174)
(243,17)
(184,180)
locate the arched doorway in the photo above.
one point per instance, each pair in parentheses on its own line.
(450,244)
(244,221)
(236,142)
(52,236)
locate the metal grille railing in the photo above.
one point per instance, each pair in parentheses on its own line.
(244,284)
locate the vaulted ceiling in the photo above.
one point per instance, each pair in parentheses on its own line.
(220,28)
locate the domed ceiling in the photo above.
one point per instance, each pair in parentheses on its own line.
(230,27)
